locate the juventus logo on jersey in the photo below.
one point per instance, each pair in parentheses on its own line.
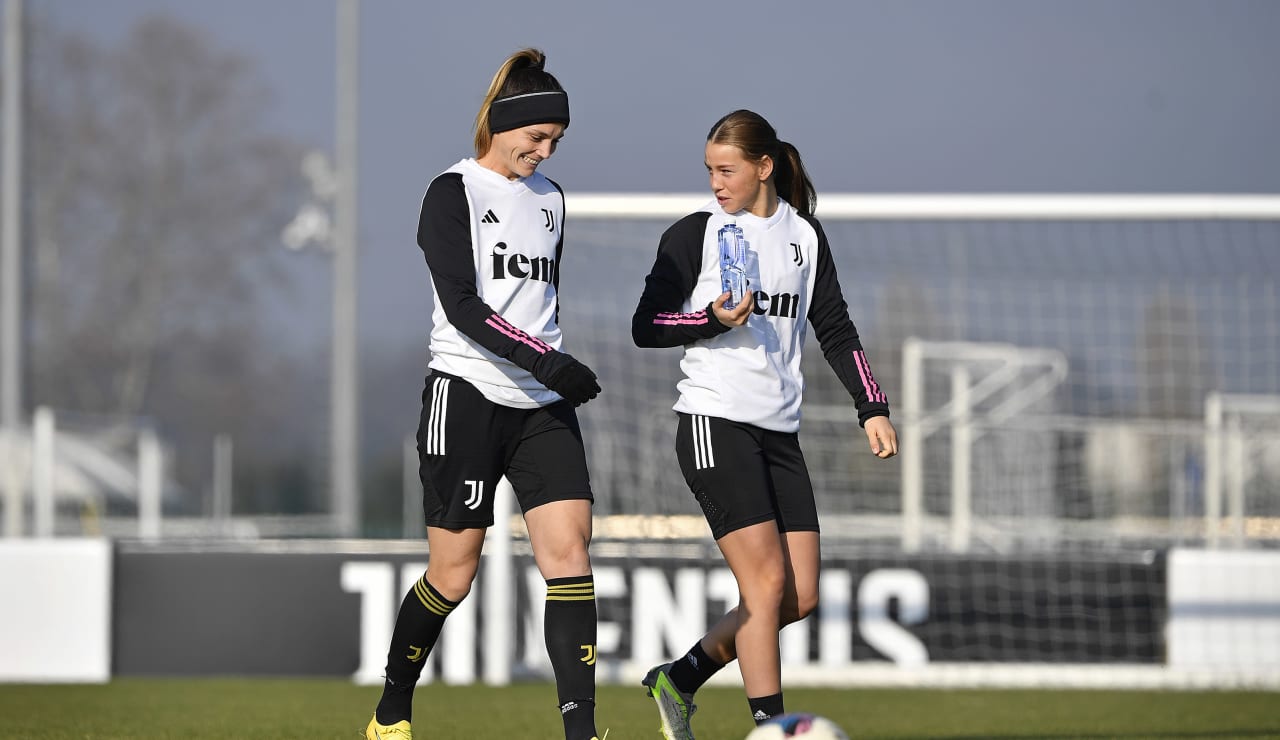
(490,217)
(798,258)
(549,219)
(476,496)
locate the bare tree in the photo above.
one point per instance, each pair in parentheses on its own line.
(158,195)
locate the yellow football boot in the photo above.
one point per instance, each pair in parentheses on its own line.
(398,731)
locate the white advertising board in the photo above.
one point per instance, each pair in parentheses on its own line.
(55,617)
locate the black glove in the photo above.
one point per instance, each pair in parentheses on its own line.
(561,373)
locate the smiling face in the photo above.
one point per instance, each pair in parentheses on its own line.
(518,152)
(738,183)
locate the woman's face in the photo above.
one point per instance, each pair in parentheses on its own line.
(737,182)
(518,152)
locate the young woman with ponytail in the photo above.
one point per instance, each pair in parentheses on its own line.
(500,397)
(739,401)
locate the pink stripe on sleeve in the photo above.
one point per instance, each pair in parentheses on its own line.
(679,319)
(497,322)
(868,380)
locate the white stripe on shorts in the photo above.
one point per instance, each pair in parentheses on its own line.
(703,455)
(435,421)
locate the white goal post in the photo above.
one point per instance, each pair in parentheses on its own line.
(1002,378)
(947,206)
(1238,428)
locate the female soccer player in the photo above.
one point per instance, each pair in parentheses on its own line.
(739,402)
(500,397)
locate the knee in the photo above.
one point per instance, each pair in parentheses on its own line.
(765,588)
(569,559)
(799,604)
(575,563)
(804,605)
(452,583)
(807,605)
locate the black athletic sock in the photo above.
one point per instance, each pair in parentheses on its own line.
(765,707)
(569,627)
(418,625)
(693,670)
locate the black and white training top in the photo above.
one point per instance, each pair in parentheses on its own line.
(751,374)
(493,247)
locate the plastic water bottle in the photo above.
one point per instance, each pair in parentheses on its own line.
(733,264)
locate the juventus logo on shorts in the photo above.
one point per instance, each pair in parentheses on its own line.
(436,419)
(703,456)
(476,496)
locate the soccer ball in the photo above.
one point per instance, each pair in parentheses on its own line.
(798,724)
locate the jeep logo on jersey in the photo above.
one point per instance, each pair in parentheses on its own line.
(518,265)
(785,305)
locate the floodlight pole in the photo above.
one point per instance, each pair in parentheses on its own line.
(344,435)
(11,272)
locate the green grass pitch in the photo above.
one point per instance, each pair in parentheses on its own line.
(314,709)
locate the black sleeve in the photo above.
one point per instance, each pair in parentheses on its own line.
(829,315)
(658,320)
(555,275)
(444,233)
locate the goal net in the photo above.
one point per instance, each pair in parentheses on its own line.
(1107,321)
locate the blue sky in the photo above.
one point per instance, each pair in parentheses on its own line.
(903,96)
(973,95)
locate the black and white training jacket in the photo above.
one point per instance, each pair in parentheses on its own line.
(493,247)
(751,373)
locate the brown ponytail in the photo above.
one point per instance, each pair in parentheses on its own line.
(521,73)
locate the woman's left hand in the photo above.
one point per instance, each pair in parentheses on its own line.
(883,437)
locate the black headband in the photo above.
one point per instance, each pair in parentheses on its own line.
(518,111)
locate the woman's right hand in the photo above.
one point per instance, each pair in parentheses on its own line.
(738,315)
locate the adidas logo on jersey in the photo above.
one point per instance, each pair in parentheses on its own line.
(490,217)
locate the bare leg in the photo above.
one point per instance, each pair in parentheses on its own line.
(453,558)
(799,597)
(754,554)
(559,533)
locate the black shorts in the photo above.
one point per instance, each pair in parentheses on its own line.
(742,475)
(466,443)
